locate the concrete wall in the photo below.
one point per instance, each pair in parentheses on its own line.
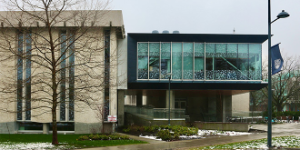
(122,63)
(240,127)
(240,103)
(86,101)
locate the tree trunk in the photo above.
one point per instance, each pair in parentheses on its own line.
(54,122)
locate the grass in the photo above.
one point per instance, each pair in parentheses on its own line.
(277,142)
(66,141)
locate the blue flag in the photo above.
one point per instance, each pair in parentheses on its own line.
(277,61)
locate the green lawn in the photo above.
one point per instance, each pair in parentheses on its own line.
(66,141)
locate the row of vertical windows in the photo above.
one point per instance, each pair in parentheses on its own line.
(67,64)
(199,61)
(24,76)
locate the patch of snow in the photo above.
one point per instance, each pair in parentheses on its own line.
(27,146)
(201,134)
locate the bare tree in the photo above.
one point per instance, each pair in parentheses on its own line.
(286,83)
(51,35)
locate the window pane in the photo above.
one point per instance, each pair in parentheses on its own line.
(255,61)
(28,77)
(154,60)
(243,61)
(220,63)
(232,62)
(142,60)
(210,52)
(188,60)
(63,76)
(176,61)
(199,61)
(19,76)
(165,60)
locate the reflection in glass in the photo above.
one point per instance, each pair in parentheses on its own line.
(210,53)
(255,61)
(154,60)
(243,60)
(222,61)
(199,61)
(176,60)
(188,61)
(165,60)
(142,60)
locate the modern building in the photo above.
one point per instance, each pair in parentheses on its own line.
(209,76)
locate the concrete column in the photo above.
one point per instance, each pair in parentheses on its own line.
(121,99)
(139,99)
(227,108)
(220,99)
(145,99)
(45,128)
(172,99)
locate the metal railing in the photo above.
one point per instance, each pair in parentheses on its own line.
(156,113)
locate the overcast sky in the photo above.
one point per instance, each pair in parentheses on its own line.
(215,16)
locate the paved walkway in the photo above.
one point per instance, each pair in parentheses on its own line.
(278,130)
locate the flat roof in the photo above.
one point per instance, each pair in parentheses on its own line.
(210,38)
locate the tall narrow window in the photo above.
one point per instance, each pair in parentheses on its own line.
(243,61)
(107,73)
(165,60)
(24,76)
(199,61)
(71,77)
(142,60)
(154,60)
(210,59)
(176,61)
(20,76)
(63,38)
(188,61)
(67,76)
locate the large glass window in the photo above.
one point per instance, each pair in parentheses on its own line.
(165,60)
(243,61)
(220,71)
(199,61)
(232,52)
(142,60)
(188,60)
(255,61)
(210,61)
(154,49)
(176,61)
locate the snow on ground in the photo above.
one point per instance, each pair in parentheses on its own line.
(27,146)
(201,134)
(277,142)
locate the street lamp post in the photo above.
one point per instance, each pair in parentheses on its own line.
(169,100)
(169,74)
(281,15)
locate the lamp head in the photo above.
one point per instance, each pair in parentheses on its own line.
(283,14)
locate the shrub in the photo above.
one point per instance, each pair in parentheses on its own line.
(126,130)
(103,137)
(114,137)
(82,138)
(164,135)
